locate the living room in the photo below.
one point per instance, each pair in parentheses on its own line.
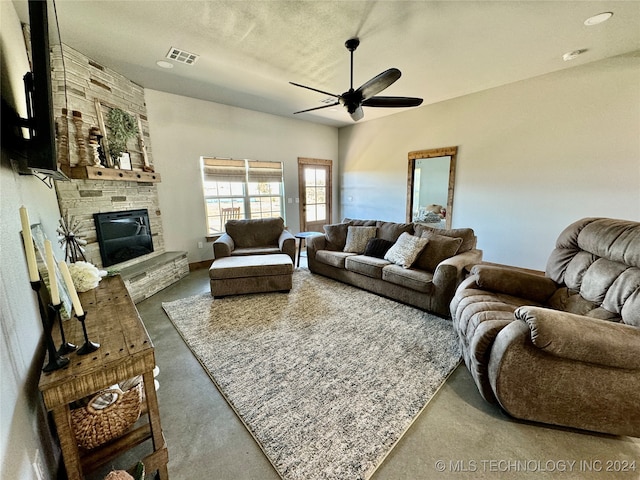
(534,156)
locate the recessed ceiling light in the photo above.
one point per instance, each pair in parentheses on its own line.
(596,19)
(163,64)
(571,55)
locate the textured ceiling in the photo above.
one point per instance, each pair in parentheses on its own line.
(250,50)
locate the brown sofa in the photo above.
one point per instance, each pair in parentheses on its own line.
(255,237)
(253,256)
(562,349)
(429,283)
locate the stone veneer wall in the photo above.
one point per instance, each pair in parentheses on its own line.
(84,81)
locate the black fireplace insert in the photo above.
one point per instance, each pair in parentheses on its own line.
(123,235)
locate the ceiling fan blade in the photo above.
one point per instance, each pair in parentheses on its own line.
(315,90)
(392,102)
(379,83)
(318,108)
(357,114)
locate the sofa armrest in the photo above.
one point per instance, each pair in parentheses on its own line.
(462,260)
(223,246)
(514,282)
(581,338)
(447,276)
(287,244)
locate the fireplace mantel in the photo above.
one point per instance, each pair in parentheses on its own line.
(98,173)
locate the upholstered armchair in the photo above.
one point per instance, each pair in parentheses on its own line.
(255,237)
(562,349)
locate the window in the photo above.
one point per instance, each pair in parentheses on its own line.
(241,189)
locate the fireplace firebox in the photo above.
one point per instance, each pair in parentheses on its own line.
(123,236)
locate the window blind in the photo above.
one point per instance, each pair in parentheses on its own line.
(265,171)
(223,170)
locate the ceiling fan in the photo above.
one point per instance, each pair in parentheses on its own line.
(354,100)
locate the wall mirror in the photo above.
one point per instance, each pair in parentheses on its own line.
(430,183)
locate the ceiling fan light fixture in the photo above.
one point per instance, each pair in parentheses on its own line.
(597,19)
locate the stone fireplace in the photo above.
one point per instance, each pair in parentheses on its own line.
(81,89)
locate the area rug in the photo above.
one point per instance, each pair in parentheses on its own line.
(326,378)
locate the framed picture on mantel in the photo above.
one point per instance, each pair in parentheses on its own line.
(125,161)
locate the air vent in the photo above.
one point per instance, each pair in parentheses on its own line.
(181,56)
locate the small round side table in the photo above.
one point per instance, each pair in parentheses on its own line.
(302,236)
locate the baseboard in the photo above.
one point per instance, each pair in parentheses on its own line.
(199,265)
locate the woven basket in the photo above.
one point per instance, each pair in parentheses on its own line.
(95,426)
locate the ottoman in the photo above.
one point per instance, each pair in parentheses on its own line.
(241,274)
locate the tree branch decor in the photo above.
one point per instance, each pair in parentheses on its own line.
(122,127)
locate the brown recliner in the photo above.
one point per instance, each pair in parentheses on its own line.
(562,349)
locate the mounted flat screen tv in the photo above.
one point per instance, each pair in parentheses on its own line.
(123,236)
(35,152)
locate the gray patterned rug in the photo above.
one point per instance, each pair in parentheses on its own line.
(326,378)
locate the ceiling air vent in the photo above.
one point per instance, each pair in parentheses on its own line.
(181,56)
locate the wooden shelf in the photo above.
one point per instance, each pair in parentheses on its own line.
(125,351)
(97,173)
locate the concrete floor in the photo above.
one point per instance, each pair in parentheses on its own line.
(457,436)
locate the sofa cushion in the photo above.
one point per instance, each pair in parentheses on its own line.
(238,252)
(466,234)
(418,280)
(377,247)
(391,230)
(259,232)
(369,266)
(358,237)
(360,223)
(438,248)
(336,234)
(406,250)
(335,259)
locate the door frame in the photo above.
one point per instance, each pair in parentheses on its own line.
(302,162)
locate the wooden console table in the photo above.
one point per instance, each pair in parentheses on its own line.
(125,352)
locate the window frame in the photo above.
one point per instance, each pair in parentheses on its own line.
(253,171)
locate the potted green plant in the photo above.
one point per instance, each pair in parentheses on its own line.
(122,127)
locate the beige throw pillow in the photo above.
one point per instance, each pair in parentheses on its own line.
(406,249)
(358,237)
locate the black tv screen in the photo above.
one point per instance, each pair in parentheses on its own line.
(41,146)
(123,236)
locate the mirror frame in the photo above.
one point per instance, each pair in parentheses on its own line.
(432,153)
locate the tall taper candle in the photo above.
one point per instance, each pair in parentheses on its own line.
(51,267)
(34,275)
(77,306)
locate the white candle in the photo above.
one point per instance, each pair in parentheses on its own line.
(51,267)
(34,275)
(72,289)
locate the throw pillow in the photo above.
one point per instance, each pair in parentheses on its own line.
(336,236)
(439,248)
(405,251)
(358,237)
(377,247)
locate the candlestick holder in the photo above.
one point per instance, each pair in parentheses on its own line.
(88,346)
(55,360)
(54,314)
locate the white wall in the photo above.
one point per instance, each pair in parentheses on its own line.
(23,425)
(533,157)
(183,129)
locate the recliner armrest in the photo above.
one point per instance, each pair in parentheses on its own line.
(223,246)
(514,282)
(581,338)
